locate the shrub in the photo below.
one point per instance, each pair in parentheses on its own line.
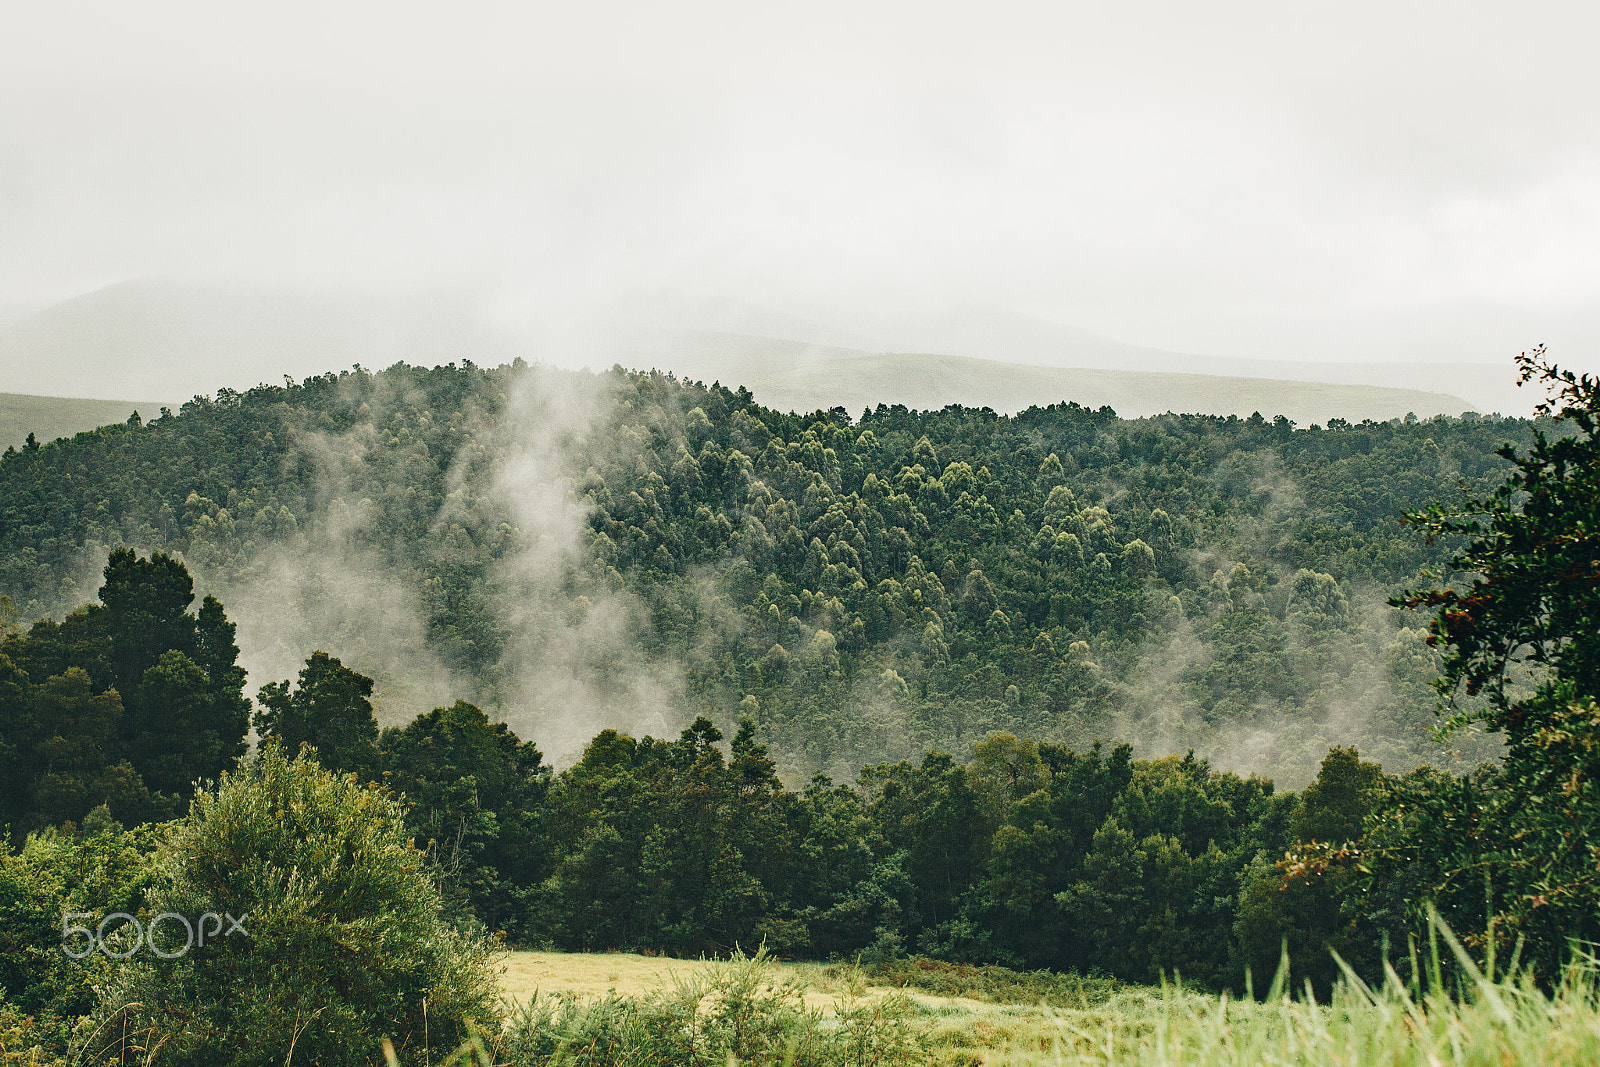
(25,1041)
(344,943)
(56,874)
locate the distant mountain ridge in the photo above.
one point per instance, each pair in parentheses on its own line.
(789,375)
(50,417)
(1006,337)
(155,338)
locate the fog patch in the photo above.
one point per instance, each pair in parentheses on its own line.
(573,660)
(332,587)
(333,597)
(1330,663)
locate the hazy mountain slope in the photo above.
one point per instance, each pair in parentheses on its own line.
(1468,349)
(153,338)
(792,376)
(15,311)
(1482,373)
(1488,386)
(49,417)
(1476,339)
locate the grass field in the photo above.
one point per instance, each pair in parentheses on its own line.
(954,1029)
(1483,1021)
(593,975)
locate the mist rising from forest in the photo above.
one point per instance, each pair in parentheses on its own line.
(334,589)
(1362,675)
(578,653)
(573,551)
(572,662)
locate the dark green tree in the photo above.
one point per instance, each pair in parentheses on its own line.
(1314,900)
(146,613)
(1334,808)
(188,728)
(1298,905)
(703,893)
(17,737)
(331,710)
(1529,601)
(851,892)
(600,811)
(76,766)
(476,796)
(181,711)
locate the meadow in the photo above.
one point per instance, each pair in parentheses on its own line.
(1445,1011)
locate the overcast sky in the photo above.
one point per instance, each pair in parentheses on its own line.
(1195,176)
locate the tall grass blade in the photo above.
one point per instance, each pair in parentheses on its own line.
(1280,980)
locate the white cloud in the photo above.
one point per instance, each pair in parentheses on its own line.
(1137,168)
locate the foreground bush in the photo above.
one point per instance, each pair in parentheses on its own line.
(345,944)
(56,874)
(25,1041)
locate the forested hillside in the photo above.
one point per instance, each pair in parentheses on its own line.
(574,551)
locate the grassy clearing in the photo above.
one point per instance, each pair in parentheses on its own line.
(623,1009)
(991,984)
(593,976)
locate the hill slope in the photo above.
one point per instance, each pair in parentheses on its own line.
(156,338)
(1467,353)
(150,338)
(49,417)
(793,376)
(576,551)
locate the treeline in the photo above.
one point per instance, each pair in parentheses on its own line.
(1026,853)
(861,588)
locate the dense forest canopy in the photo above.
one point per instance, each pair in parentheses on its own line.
(571,551)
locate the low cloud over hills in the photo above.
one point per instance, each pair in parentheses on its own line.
(154,338)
